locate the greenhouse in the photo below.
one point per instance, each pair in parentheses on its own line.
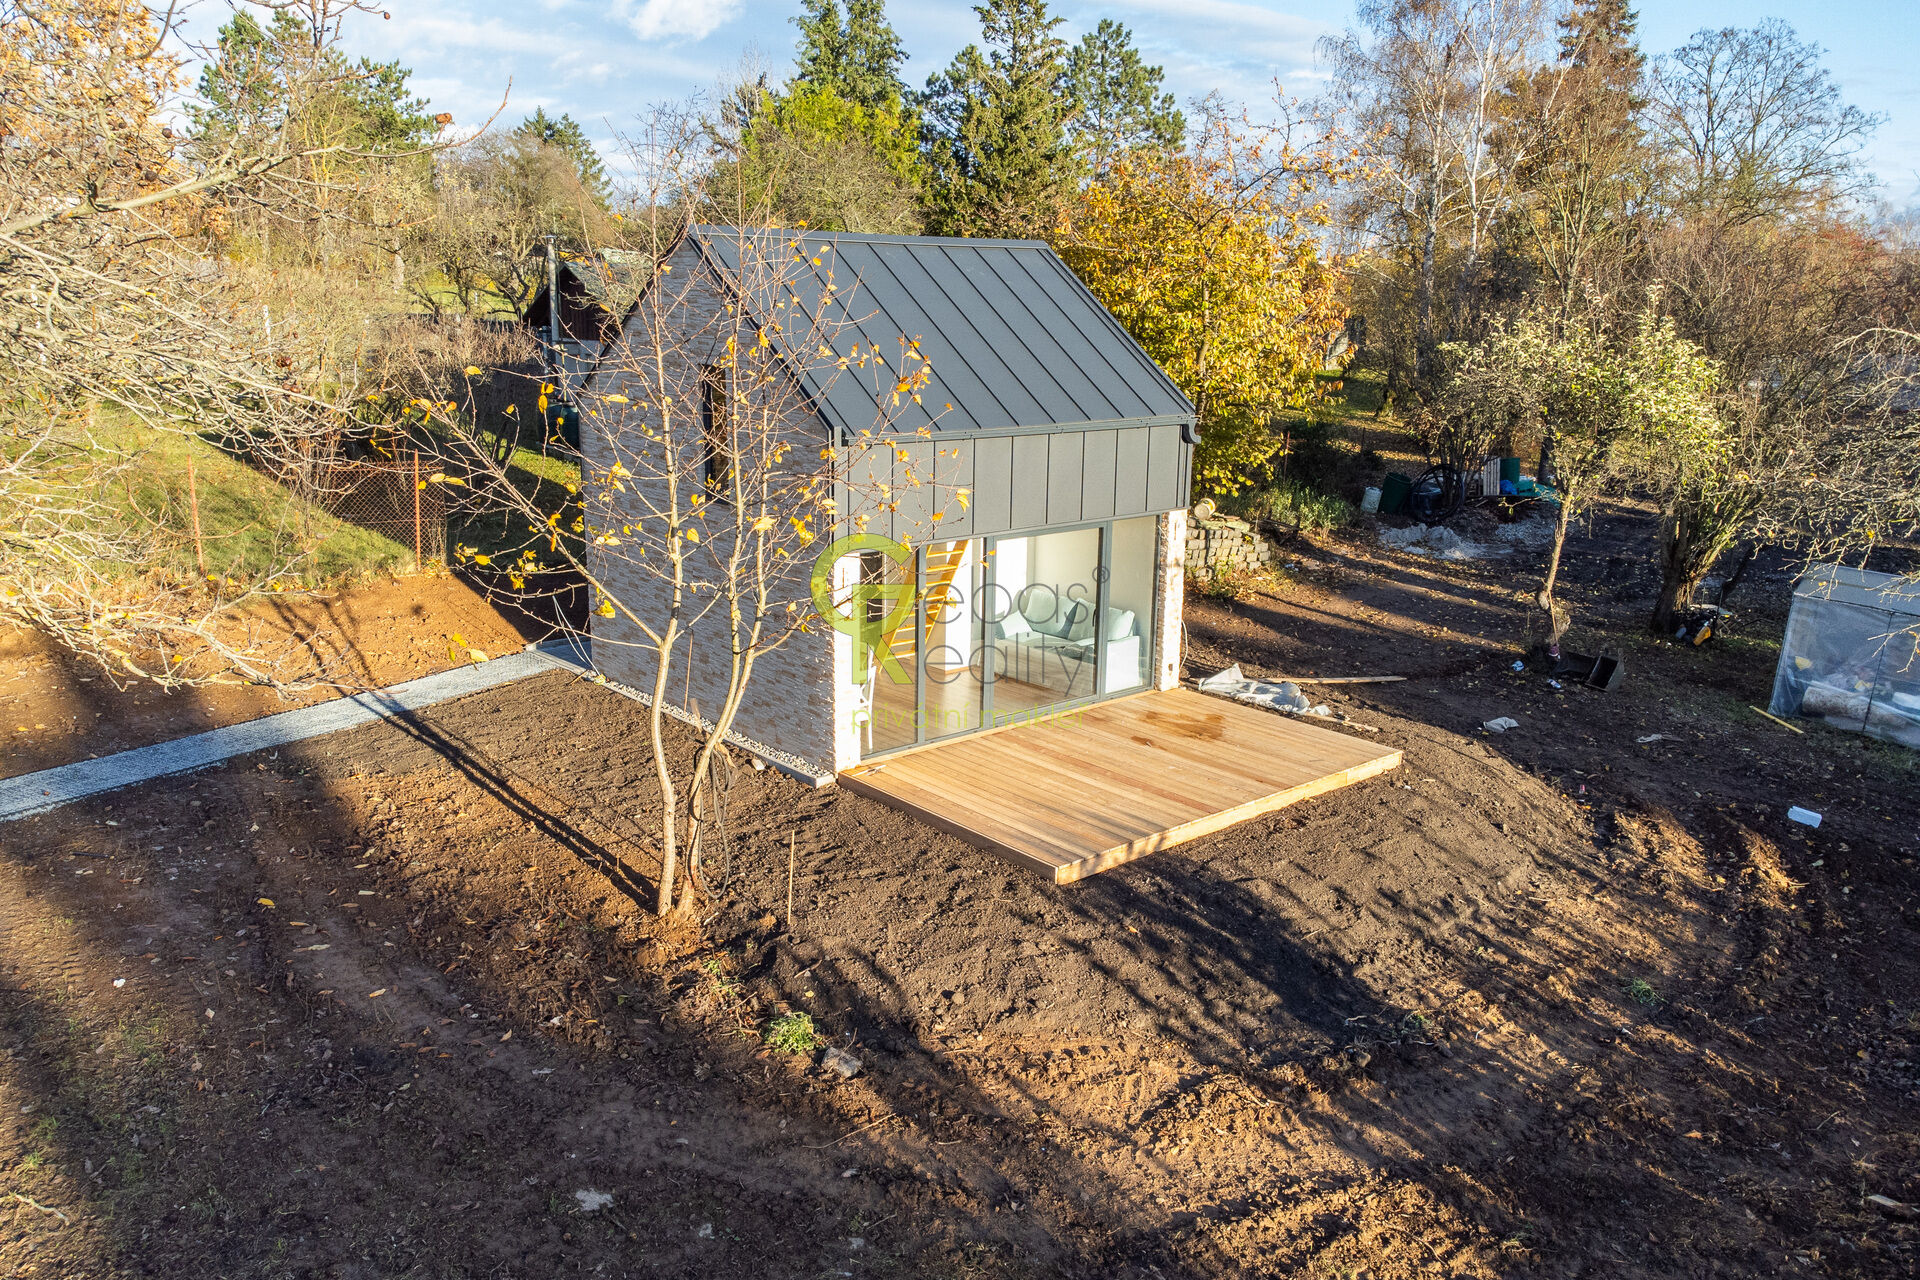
(1851,656)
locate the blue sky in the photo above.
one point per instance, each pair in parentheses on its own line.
(603,63)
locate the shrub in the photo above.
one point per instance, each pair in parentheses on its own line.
(1304,509)
(1224,585)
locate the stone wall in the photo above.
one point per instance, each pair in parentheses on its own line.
(1224,544)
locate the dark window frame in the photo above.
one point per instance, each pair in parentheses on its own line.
(716,444)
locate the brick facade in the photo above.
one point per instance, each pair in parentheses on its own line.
(791,703)
(800,707)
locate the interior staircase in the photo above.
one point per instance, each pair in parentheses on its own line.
(943,565)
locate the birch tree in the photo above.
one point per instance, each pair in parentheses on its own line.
(1428,82)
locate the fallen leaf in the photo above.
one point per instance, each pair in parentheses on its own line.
(374,995)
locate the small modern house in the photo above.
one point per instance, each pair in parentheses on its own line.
(580,312)
(1044,631)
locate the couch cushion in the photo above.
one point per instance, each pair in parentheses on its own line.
(1080,621)
(1013,626)
(1120,624)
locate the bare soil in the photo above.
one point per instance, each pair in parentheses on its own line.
(1549,1003)
(56,708)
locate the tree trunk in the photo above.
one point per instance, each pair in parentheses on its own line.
(1674,596)
(1423,319)
(1692,537)
(669,807)
(1747,551)
(1556,617)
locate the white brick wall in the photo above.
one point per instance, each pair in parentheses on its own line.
(790,703)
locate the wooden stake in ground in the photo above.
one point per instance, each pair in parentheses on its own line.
(1340,679)
(193,501)
(1777,720)
(790,837)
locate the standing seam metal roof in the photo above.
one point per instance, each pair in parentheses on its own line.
(1014,341)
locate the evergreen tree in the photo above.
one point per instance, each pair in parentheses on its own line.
(994,127)
(1585,167)
(566,134)
(1599,48)
(857,57)
(1121,105)
(276,78)
(237,85)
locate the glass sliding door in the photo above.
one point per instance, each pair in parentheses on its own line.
(1000,630)
(1128,629)
(925,672)
(892,644)
(1043,606)
(952,661)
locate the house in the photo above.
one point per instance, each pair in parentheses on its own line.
(1050,598)
(595,292)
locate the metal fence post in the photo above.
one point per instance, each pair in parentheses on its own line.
(416,511)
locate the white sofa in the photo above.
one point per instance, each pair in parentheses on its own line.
(1058,652)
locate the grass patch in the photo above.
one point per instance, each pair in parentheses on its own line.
(793,1033)
(1641,992)
(550,484)
(249,525)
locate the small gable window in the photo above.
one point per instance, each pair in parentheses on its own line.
(716,432)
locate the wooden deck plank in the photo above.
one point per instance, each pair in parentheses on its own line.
(1072,798)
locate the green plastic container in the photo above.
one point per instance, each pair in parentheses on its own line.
(1394,492)
(1510,470)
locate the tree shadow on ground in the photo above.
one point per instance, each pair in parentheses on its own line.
(1376,1026)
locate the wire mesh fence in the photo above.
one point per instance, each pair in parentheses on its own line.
(393,499)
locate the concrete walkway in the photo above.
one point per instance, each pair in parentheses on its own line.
(33,793)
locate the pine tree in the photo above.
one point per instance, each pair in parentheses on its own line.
(566,134)
(857,58)
(994,127)
(1586,164)
(1121,105)
(1602,55)
(275,77)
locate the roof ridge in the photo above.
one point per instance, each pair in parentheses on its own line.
(870,237)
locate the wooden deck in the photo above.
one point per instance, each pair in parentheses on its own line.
(1118,780)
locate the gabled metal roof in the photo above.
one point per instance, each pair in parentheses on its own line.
(1014,341)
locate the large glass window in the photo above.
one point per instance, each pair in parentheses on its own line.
(1005,629)
(1129,614)
(1043,613)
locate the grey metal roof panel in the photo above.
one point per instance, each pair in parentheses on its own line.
(1890,591)
(1013,341)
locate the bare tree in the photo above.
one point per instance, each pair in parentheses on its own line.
(1753,126)
(495,202)
(705,490)
(108,298)
(1430,82)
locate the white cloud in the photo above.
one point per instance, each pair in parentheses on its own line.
(678,19)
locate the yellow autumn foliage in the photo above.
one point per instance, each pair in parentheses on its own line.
(1218,275)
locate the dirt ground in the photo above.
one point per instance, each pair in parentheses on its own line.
(56,708)
(1549,1003)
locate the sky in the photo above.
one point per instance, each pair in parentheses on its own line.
(605,61)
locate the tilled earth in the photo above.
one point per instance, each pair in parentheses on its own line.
(1555,1002)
